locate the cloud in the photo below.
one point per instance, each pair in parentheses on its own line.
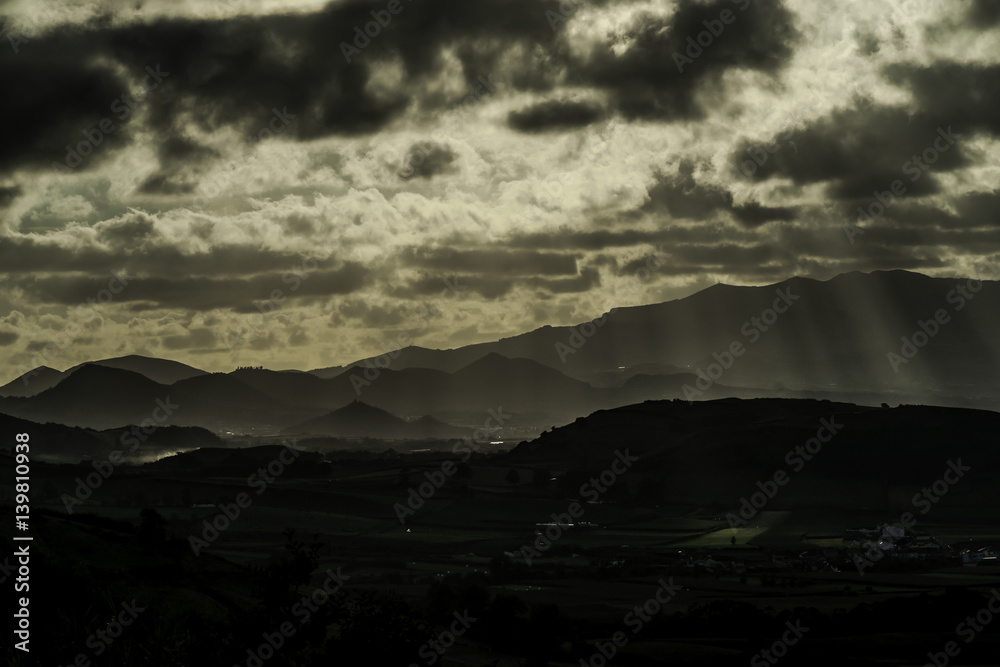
(504,262)
(371,315)
(555,115)
(595,150)
(426,159)
(61,99)
(9,194)
(198,294)
(134,245)
(128,232)
(180,161)
(195,338)
(753,213)
(983,13)
(233,72)
(858,150)
(948,93)
(652,72)
(8,338)
(588,279)
(681,197)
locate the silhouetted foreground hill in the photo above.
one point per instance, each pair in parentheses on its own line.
(135,443)
(714,452)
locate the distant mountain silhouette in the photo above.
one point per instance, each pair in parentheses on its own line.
(328,372)
(101,397)
(360,420)
(93,396)
(414,356)
(833,339)
(162,371)
(33,382)
(224,389)
(294,387)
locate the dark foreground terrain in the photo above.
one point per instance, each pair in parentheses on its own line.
(717,533)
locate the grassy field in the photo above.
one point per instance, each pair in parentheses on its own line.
(596,576)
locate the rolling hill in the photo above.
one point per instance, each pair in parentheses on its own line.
(360,420)
(714,453)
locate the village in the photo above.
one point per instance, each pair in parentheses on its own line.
(898,547)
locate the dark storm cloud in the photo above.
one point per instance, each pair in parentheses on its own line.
(753,214)
(498,261)
(602,239)
(648,81)
(165,184)
(426,159)
(175,150)
(176,154)
(8,338)
(971,210)
(861,149)
(983,13)
(370,315)
(236,72)
(591,240)
(979,208)
(8,195)
(200,293)
(868,42)
(488,287)
(961,95)
(196,338)
(555,115)
(865,148)
(919,216)
(127,232)
(681,197)
(28,255)
(733,256)
(52,97)
(496,286)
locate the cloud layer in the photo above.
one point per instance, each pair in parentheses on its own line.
(295,185)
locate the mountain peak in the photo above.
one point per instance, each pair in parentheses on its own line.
(33,382)
(161,371)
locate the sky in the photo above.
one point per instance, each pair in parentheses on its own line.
(260,182)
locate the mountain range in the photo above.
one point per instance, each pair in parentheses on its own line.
(885,336)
